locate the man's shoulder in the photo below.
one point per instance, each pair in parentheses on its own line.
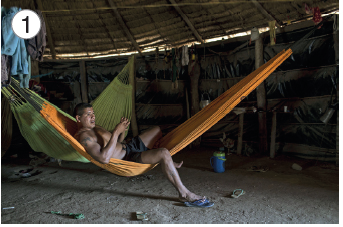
(81,134)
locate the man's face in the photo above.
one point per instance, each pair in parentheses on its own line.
(87,119)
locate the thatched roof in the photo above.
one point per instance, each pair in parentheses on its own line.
(89,28)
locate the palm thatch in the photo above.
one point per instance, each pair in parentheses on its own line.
(91,28)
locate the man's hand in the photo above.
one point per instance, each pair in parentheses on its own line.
(123,125)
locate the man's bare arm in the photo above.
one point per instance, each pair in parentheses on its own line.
(94,149)
(126,122)
(121,137)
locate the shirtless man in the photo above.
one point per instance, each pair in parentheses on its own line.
(103,145)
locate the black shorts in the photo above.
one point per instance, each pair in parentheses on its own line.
(134,149)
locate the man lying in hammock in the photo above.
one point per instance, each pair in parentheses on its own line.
(103,145)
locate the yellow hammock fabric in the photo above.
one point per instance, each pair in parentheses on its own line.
(6,125)
(184,134)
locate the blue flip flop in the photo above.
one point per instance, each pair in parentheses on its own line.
(200,203)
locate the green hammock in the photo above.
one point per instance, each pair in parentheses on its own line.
(113,103)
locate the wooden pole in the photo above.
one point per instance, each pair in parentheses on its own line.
(187,105)
(336,47)
(194,75)
(273,136)
(261,99)
(132,80)
(240,134)
(83,78)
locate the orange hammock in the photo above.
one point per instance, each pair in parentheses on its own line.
(184,134)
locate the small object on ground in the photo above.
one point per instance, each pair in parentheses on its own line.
(237,193)
(258,169)
(75,216)
(7,208)
(296,166)
(25,175)
(142,216)
(200,203)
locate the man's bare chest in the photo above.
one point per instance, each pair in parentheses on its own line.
(103,136)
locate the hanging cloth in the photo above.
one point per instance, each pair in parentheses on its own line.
(36,45)
(12,45)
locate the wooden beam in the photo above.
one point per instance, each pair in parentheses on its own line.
(48,32)
(265,13)
(185,18)
(123,25)
(83,78)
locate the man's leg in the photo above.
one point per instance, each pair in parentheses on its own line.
(149,138)
(162,156)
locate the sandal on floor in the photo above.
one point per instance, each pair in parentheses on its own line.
(237,193)
(258,169)
(200,203)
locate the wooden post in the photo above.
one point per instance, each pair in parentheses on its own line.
(261,99)
(35,70)
(187,105)
(83,77)
(194,75)
(240,134)
(273,136)
(336,47)
(132,80)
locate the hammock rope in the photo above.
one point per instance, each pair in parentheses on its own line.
(174,141)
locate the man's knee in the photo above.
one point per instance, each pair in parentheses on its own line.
(157,129)
(165,154)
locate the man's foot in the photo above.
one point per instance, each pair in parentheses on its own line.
(178,165)
(200,203)
(190,197)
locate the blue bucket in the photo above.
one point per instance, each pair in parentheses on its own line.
(218,162)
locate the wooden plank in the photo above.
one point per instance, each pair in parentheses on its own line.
(123,25)
(265,13)
(273,136)
(83,78)
(48,33)
(240,134)
(132,81)
(261,99)
(185,18)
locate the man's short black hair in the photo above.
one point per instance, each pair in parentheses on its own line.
(79,108)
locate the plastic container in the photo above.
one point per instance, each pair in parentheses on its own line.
(218,161)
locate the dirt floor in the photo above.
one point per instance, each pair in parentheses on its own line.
(279,195)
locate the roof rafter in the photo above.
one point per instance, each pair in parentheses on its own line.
(106,29)
(122,23)
(185,18)
(265,13)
